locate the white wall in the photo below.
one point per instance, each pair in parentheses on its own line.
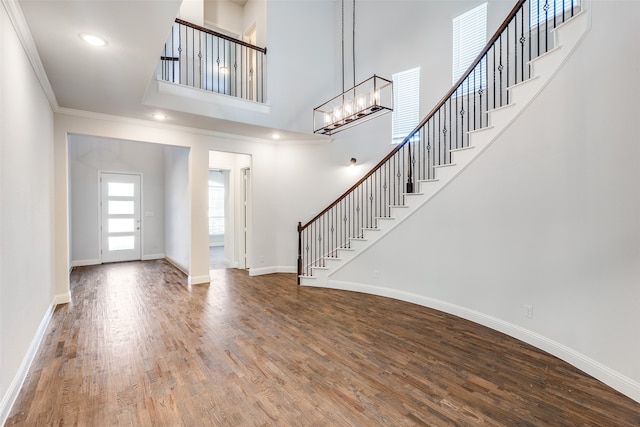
(88,157)
(299,61)
(177,205)
(224,15)
(548,216)
(192,11)
(26,219)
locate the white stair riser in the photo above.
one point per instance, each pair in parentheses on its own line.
(399,212)
(481,138)
(445,173)
(501,117)
(429,188)
(371,234)
(525,90)
(346,254)
(570,32)
(359,244)
(386,223)
(463,156)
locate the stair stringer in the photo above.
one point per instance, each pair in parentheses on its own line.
(567,37)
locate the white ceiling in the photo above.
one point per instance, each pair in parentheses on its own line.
(112,80)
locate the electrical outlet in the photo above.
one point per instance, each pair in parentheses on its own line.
(261,259)
(528,311)
(376,274)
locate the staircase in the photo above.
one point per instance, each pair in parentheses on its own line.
(493,92)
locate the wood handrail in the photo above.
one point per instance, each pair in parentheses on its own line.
(448,95)
(220,35)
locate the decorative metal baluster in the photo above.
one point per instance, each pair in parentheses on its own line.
(546,25)
(456,122)
(468,80)
(515,52)
(450,133)
(261,81)
(473,93)
(522,40)
(508,68)
(200,61)
(243,83)
(500,68)
(480,92)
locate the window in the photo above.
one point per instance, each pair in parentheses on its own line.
(406,103)
(469,38)
(543,10)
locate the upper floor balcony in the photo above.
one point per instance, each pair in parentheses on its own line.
(204,59)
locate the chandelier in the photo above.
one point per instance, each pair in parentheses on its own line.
(364,101)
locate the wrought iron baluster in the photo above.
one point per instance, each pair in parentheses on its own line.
(475,85)
(522,40)
(546,25)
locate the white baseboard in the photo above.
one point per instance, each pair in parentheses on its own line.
(84,262)
(14,388)
(612,378)
(198,280)
(62,298)
(152,257)
(191,280)
(271,270)
(177,265)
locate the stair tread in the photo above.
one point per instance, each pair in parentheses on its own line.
(482,129)
(455,150)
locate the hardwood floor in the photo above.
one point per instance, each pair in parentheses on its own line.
(216,258)
(138,347)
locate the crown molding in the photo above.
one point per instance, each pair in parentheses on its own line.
(14,11)
(154,124)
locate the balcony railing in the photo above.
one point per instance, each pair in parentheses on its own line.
(205,59)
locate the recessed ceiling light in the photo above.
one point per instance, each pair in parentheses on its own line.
(159,116)
(93,40)
(275,136)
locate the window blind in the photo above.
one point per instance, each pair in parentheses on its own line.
(406,103)
(469,38)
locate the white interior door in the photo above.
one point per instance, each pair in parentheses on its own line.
(120,212)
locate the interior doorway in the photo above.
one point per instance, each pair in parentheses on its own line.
(229,204)
(218,207)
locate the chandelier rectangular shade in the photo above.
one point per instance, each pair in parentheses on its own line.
(371,98)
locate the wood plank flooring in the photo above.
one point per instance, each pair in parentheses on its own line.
(137,346)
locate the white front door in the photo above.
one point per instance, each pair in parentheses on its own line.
(120,217)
